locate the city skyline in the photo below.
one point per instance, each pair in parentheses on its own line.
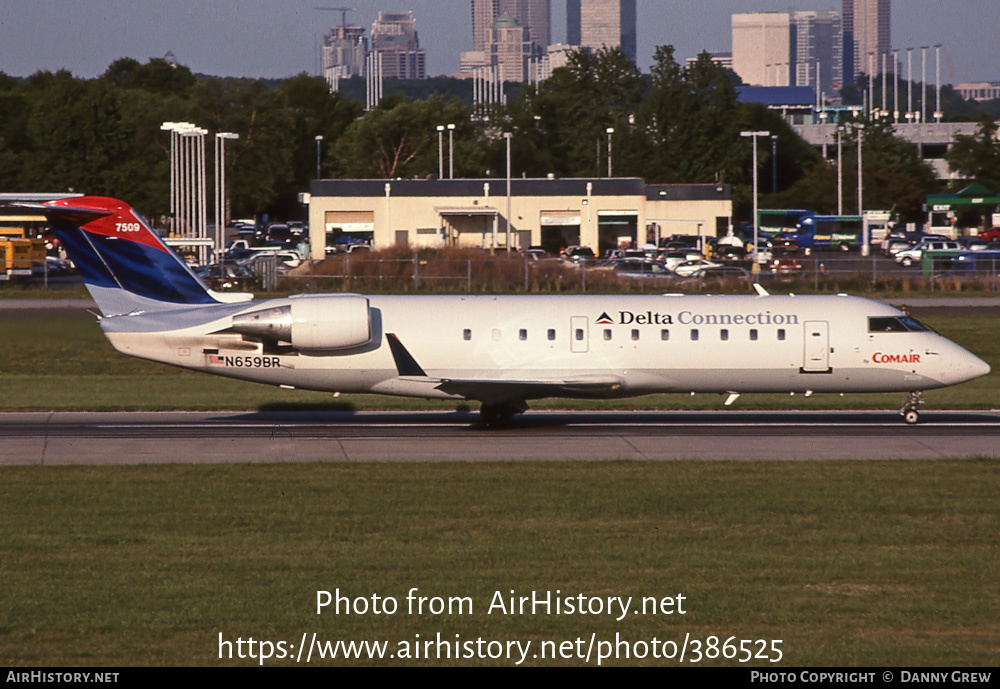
(255,38)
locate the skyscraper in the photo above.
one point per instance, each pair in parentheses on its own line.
(596,24)
(763,54)
(784,48)
(535,15)
(866,32)
(343,53)
(818,42)
(394,34)
(508,33)
(510,48)
(484,13)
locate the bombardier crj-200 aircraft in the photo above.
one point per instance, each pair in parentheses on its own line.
(499,350)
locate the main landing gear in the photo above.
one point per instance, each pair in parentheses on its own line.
(500,415)
(909,409)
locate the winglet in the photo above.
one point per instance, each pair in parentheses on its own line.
(405,363)
(761,292)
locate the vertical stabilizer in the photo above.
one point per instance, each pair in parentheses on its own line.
(123,262)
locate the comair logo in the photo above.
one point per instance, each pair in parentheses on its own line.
(910,358)
(630,318)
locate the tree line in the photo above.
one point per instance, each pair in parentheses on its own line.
(676,124)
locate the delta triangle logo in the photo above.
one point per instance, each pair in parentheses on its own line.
(604,319)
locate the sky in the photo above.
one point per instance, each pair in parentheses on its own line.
(280,38)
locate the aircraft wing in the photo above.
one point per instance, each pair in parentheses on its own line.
(501,389)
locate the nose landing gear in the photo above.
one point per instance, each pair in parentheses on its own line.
(909,409)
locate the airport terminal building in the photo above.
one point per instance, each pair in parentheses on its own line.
(601,213)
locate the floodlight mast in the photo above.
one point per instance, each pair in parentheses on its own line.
(756,223)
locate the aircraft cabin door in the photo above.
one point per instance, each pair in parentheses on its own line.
(579,337)
(817,347)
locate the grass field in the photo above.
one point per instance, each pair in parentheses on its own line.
(56,363)
(847,563)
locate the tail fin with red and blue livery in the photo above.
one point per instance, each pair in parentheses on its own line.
(125,265)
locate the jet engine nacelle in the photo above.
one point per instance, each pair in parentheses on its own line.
(312,323)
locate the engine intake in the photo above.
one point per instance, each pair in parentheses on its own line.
(312,323)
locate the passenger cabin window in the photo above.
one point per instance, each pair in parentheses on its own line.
(781,334)
(607,334)
(635,335)
(893,324)
(694,335)
(753,334)
(552,334)
(466,334)
(664,334)
(579,334)
(724,334)
(522,334)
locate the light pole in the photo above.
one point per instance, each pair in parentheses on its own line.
(610,130)
(909,84)
(860,131)
(507,136)
(840,173)
(895,85)
(756,224)
(923,83)
(440,131)
(319,145)
(220,187)
(937,59)
(451,151)
(187,180)
(774,163)
(172,128)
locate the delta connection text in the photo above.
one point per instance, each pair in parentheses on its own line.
(501,603)
(691,318)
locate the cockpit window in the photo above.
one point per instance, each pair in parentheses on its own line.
(913,324)
(892,324)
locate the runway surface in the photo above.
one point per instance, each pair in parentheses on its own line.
(88,438)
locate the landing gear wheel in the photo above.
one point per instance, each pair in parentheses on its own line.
(909,409)
(499,415)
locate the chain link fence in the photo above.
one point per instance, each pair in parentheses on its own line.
(502,273)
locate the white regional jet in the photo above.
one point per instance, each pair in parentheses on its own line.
(499,350)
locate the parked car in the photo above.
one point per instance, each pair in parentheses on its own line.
(693,268)
(721,273)
(991,235)
(892,247)
(578,254)
(672,259)
(785,265)
(639,268)
(729,253)
(910,256)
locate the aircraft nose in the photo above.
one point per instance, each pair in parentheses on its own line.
(979,368)
(965,366)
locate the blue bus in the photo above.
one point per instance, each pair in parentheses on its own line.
(813,231)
